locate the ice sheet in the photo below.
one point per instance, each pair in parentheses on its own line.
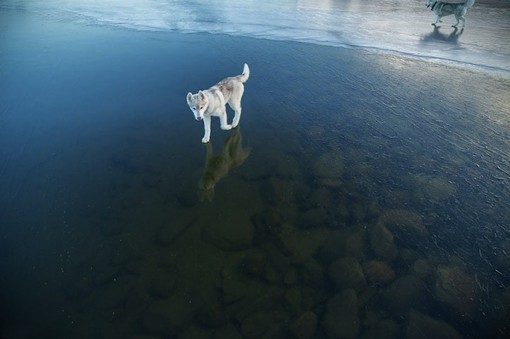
(387,26)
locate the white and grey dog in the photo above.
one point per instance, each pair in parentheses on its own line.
(211,102)
(450,7)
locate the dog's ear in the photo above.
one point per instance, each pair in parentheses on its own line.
(202,95)
(189,97)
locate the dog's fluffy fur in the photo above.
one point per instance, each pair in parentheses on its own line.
(445,8)
(211,102)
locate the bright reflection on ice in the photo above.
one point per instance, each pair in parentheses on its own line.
(388,26)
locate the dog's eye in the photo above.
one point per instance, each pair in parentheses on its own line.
(201,107)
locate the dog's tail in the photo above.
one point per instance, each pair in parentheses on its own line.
(246,74)
(470,3)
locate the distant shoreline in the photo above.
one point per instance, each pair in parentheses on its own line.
(425,37)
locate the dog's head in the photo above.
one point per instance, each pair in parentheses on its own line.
(198,104)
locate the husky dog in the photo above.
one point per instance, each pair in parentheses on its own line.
(212,101)
(219,166)
(448,7)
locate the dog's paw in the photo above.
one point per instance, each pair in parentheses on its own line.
(235,124)
(205,140)
(226,127)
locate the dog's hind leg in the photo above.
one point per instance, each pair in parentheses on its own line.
(223,121)
(235,104)
(237,116)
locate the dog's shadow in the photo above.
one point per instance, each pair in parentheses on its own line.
(232,156)
(450,38)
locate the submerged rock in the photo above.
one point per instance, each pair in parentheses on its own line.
(163,284)
(330,165)
(382,242)
(457,290)
(436,189)
(302,243)
(341,319)
(341,243)
(347,273)
(167,318)
(305,325)
(257,324)
(173,229)
(233,232)
(112,295)
(421,268)
(229,331)
(406,226)
(379,272)
(379,328)
(404,223)
(315,217)
(423,326)
(405,293)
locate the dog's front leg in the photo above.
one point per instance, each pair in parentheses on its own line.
(207,129)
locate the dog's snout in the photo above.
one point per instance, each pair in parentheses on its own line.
(199,118)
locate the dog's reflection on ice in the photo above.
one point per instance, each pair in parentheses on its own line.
(218,166)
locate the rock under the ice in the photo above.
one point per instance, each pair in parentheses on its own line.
(341,319)
(405,293)
(330,165)
(234,286)
(375,327)
(347,273)
(287,167)
(278,191)
(167,318)
(424,326)
(382,242)
(112,295)
(421,268)
(403,223)
(254,264)
(124,253)
(436,189)
(315,217)
(257,324)
(174,228)
(229,331)
(305,326)
(163,284)
(229,231)
(457,290)
(293,298)
(312,274)
(210,314)
(344,243)
(321,197)
(302,244)
(379,272)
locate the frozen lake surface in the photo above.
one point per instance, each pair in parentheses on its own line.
(387,26)
(365,194)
